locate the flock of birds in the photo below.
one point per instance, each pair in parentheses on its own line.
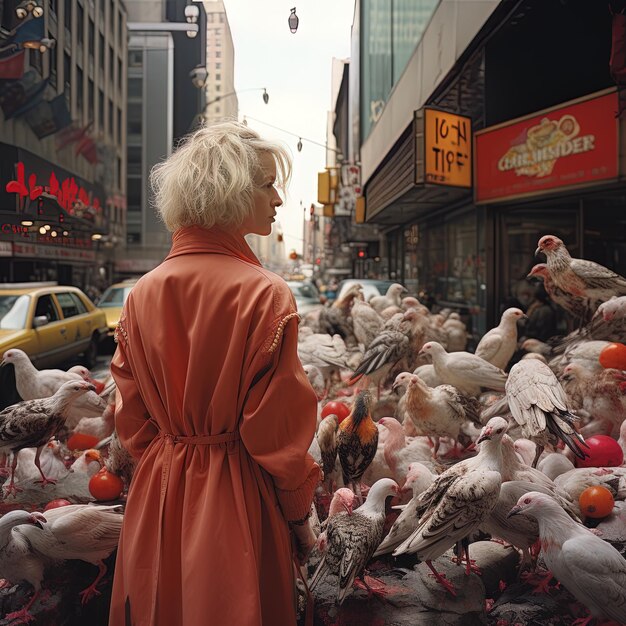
(38,466)
(466,444)
(420,408)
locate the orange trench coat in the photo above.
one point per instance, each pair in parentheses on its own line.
(214,403)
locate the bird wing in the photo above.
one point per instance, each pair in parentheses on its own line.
(595,572)
(463,407)
(463,507)
(355,455)
(595,275)
(489,345)
(533,390)
(388,347)
(475,370)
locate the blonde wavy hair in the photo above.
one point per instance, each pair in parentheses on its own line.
(210,178)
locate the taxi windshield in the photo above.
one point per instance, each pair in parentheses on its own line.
(13,312)
(114,296)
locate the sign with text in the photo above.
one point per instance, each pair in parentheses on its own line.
(566,146)
(447,148)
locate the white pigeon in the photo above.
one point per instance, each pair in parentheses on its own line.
(467,372)
(85,532)
(589,568)
(419,478)
(458,502)
(498,345)
(540,407)
(391,298)
(352,539)
(366,321)
(427,373)
(554,464)
(102,426)
(17,561)
(32,383)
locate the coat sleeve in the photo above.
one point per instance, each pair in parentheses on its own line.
(278,425)
(132,421)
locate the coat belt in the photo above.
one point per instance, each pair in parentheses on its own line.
(170,441)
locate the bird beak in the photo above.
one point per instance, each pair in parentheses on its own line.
(347,507)
(538,251)
(404,290)
(486,435)
(514,511)
(91,387)
(37,519)
(524,317)
(395,386)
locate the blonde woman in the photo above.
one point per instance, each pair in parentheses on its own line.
(213,402)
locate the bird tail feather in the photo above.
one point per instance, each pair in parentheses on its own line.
(572,440)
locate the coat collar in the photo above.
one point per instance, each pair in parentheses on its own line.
(195,240)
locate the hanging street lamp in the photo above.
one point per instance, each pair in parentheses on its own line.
(294,20)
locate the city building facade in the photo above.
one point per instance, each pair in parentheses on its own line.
(166,80)
(62,140)
(221,97)
(473,143)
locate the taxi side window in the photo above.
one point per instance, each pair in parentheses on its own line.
(67,304)
(80,305)
(45,306)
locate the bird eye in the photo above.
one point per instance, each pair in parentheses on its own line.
(526,500)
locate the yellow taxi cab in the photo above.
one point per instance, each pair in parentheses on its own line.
(50,322)
(112,300)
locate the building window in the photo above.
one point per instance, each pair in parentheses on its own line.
(67,71)
(101,110)
(135,58)
(218,54)
(90,98)
(80,20)
(209,18)
(119,124)
(218,66)
(68,14)
(111,63)
(92,38)
(79,92)
(119,75)
(52,6)
(218,77)
(111,119)
(52,61)
(221,18)
(218,88)
(101,50)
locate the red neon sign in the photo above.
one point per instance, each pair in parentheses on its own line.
(67,192)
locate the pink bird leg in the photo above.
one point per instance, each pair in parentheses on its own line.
(11,489)
(23,615)
(441,579)
(91,591)
(44,481)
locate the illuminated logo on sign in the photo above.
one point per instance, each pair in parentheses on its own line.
(76,200)
(545,143)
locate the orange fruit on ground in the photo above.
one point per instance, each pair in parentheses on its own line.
(596,501)
(105,485)
(613,355)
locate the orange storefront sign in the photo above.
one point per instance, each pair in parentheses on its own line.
(448,148)
(572,145)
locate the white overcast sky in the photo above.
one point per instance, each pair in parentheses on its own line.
(296,70)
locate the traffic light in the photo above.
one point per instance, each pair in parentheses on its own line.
(318,261)
(361,254)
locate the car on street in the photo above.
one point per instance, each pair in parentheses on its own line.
(306,295)
(371,287)
(52,323)
(112,300)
